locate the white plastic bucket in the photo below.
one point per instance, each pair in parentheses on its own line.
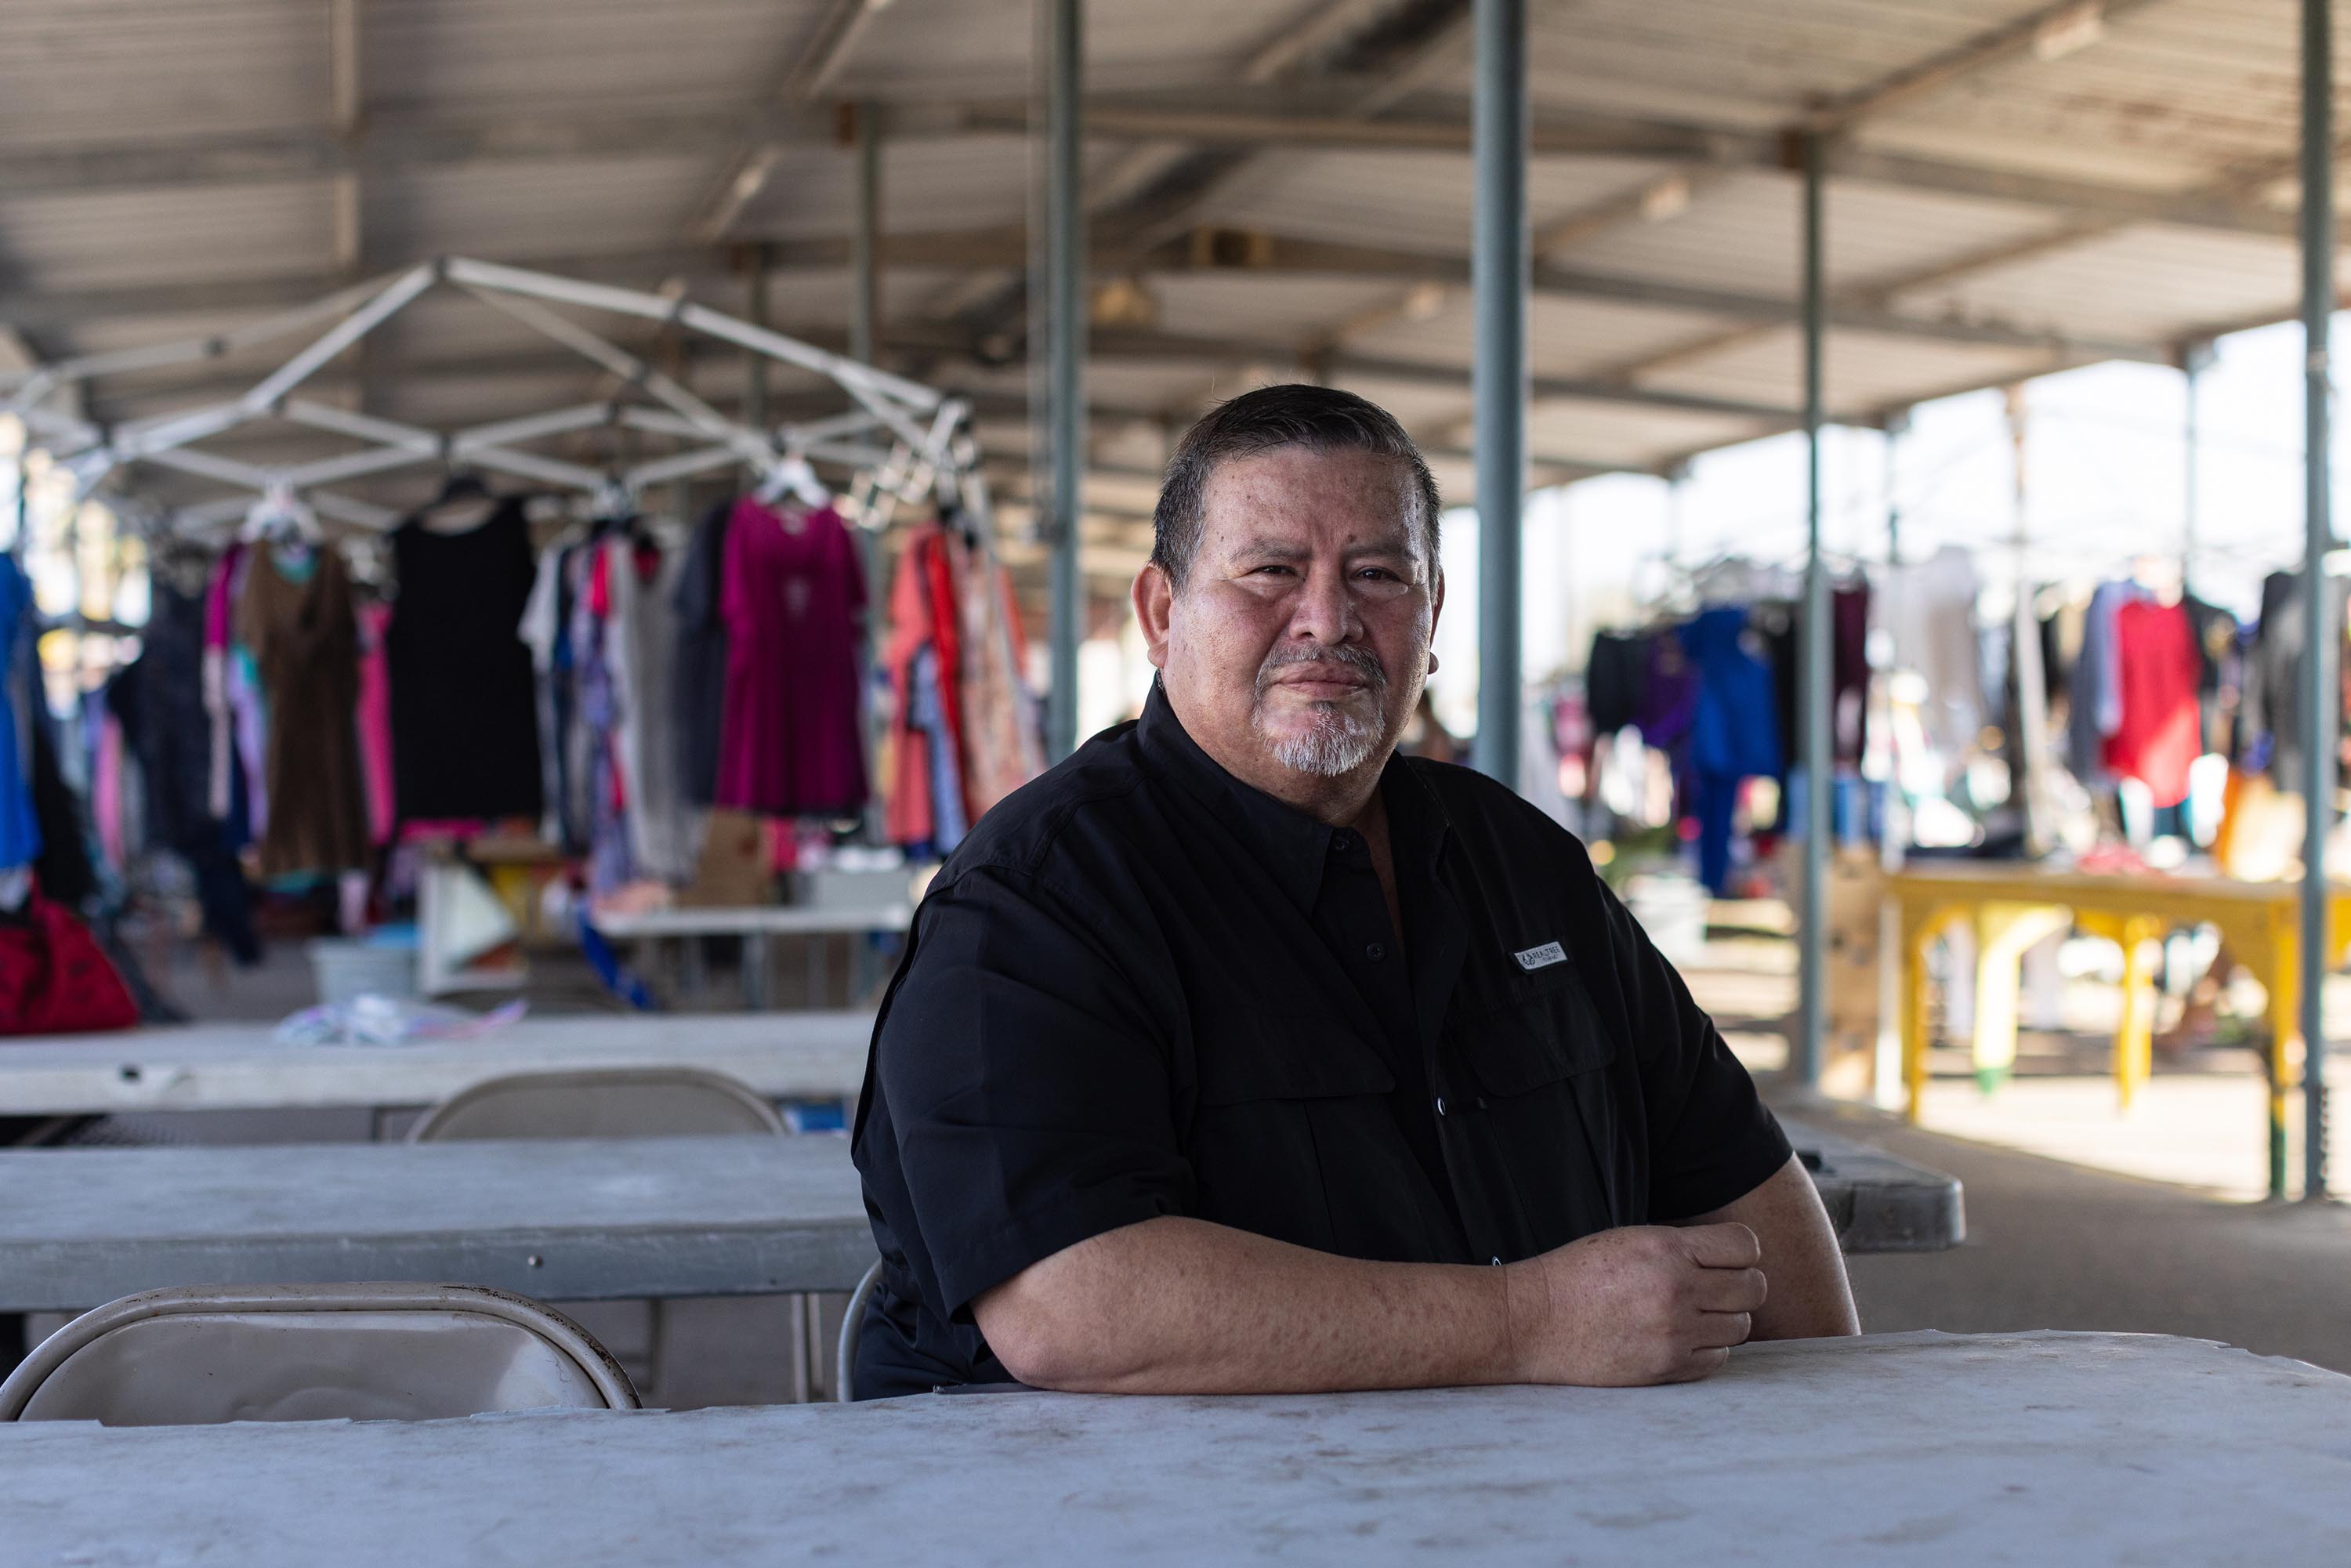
(346,970)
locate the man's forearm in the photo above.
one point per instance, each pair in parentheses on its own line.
(1810,1297)
(1184,1306)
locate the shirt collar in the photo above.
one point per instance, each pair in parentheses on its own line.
(1295,847)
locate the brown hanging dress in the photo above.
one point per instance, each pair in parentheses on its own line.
(304,640)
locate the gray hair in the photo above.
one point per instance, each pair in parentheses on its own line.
(1323,419)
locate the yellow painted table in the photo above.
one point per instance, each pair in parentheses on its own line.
(2012,905)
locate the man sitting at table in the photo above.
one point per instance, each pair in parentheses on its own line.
(1238,1053)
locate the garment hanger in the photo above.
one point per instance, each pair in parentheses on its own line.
(466,503)
(279,516)
(613,508)
(791,475)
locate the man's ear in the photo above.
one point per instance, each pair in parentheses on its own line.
(1155,604)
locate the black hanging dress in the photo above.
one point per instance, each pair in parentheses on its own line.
(464,720)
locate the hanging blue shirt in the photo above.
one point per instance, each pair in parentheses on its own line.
(1735,733)
(20,831)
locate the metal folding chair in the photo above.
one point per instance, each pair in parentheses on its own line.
(195,1354)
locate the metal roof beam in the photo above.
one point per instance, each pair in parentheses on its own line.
(1127,344)
(392,147)
(1153,190)
(992,249)
(2048,31)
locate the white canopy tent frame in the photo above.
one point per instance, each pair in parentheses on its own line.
(929,440)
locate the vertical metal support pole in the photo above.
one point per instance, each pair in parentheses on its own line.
(755,309)
(1676,497)
(1065,269)
(2029,770)
(865,243)
(1813,704)
(2321,726)
(1499,282)
(2195,359)
(1897,425)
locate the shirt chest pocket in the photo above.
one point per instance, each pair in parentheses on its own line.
(1536,1062)
(1289,1106)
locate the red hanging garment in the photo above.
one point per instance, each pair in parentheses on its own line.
(908,817)
(2161,731)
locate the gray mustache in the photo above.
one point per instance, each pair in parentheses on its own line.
(1360,660)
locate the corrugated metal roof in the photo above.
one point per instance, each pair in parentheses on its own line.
(491,54)
(1863,374)
(1733,61)
(2174,94)
(112,70)
(117,239)
(1746,232)
(984,46)
(571,207)
(968,183)
(1408,201)
(2146,281)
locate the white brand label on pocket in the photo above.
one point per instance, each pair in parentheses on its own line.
(1541,958)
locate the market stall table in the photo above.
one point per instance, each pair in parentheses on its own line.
(2013,904)
(224,1067)
(563,1219)
(757,925)
(1921,1448)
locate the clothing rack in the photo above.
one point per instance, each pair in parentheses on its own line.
(900,440)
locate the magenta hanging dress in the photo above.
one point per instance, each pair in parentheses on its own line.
(793,597)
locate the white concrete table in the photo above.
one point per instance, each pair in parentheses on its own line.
(756,920)
(1876,1202)
(221,1067)
(2084,1449)
(757,924)
(557,1219)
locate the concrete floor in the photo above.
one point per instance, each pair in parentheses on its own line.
(2052,1245)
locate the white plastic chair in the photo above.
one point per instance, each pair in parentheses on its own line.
(195,1354)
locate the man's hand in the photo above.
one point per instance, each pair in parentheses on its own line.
(1648,1303)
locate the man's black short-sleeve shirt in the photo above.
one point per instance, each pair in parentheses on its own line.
(1142,987)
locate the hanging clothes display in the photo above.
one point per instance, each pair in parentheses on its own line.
(2220,686)
(1734,731)
(20,828)
(964,728)
(1003,746)
(158,699)
(1614,678)
(374,718)
(2093,691)
(545,631)
(924,800)
(2274,692)
(294,614)
(699,671)
(234,790)
(791,741)
(1927,613)
(642,652)
(463,699)
(2158,729)
(611,862)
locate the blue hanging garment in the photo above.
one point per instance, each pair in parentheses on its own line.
(20,830)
